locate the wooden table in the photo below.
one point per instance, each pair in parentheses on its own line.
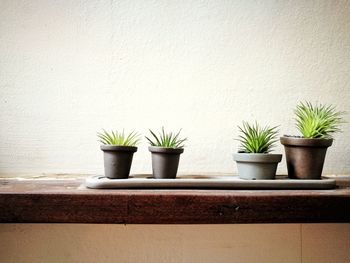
(53,200)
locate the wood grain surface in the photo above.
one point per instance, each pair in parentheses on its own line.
(69,201)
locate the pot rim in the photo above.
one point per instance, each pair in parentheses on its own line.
(306,142)
(118,148)
(257,157)
(166,150)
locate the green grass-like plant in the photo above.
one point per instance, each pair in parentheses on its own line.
(119,138)
(166,139)
(317,121)
(255,139)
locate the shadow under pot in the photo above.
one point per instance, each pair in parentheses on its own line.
(165,161)
(305,157)
(257,166)
(117,160)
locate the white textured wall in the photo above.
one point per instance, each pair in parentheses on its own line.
(69,68)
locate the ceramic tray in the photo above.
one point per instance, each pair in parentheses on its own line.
(205,182)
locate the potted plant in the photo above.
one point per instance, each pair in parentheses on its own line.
(305,154)
(118,150)
(254,160)
(166,149)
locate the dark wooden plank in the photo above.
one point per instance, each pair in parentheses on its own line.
(66,201)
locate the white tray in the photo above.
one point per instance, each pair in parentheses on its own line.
(205,182)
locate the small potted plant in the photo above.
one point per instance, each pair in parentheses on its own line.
(254,160)
(118,150)
(166,149)
(305,154)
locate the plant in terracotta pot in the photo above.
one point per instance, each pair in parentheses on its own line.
(166,148)
(254,160)
(118,150)
(305,154)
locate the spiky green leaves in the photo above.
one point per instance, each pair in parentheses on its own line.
(166,139)
(119,138)
(317,121)
(256,139)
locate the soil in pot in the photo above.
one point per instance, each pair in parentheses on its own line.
(117,160)
(165,161)
(305,157)
(257,166)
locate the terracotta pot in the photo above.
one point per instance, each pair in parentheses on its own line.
(257,166)
(117,160)
(305,157)
(165,161)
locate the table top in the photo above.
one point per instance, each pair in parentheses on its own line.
(64,199)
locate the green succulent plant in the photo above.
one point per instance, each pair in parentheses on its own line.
(166,139)
(119,138)
(256,139)
(317,121)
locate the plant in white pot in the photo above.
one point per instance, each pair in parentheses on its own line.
(305,154)
(254,160)
(166,149)
(118,150)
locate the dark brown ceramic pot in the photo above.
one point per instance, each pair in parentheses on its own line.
(117,160)
(165,161)
(305,157)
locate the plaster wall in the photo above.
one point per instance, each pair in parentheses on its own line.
(70,68)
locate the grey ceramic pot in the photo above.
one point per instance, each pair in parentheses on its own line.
(165,161)
(305,157)
(257,166)
(117,160)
